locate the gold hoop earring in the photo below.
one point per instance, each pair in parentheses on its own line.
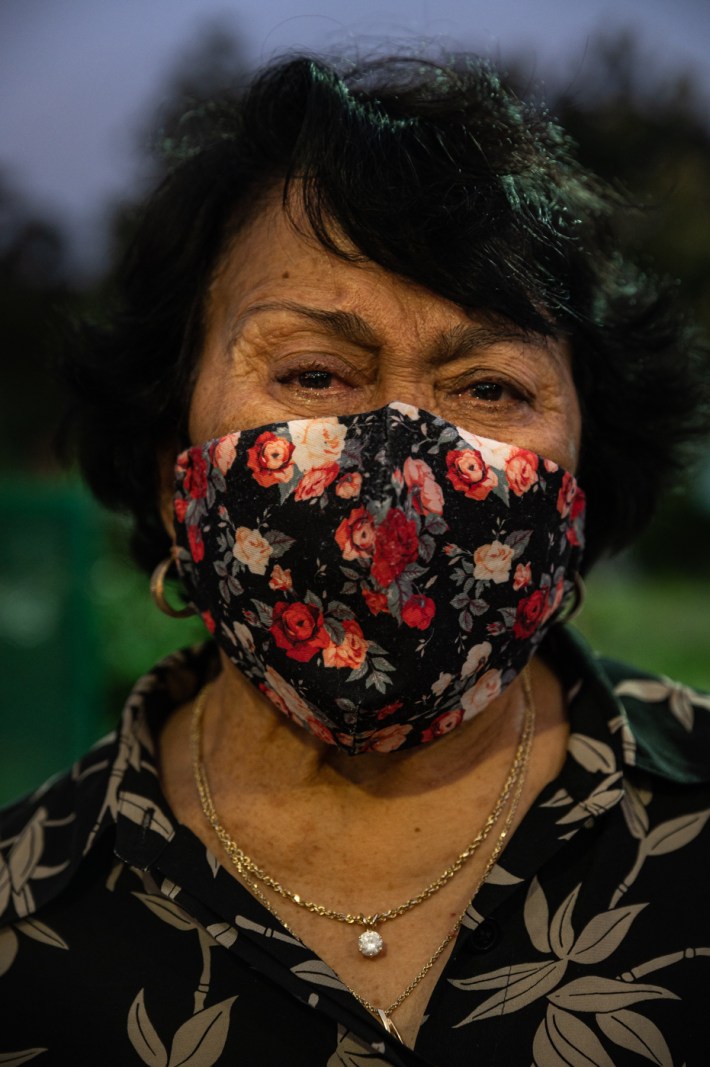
(157,591)
(577,602)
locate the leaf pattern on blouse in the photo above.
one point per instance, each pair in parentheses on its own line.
(589,944)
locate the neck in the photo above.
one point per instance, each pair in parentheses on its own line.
(244,733)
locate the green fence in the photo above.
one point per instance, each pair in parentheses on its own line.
(50,684)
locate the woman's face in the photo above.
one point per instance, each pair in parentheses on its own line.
(293,331)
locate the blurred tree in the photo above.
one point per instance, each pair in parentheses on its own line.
(213,65)
(33,287)
(648,133)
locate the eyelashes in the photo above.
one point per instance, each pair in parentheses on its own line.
(313,377)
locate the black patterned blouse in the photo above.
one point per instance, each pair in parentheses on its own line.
(123,941)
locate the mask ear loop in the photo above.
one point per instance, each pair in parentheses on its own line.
(576,602)
(157,592)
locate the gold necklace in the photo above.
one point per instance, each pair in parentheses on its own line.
(370,941)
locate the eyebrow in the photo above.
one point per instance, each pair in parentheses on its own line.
(463,339)
(453,344)
(346,324)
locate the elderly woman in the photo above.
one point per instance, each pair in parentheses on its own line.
(375,355)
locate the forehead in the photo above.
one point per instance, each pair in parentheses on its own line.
(275,257)
(276,279)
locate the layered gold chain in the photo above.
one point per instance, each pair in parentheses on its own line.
(255,876)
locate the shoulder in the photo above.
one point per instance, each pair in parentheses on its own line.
(664,725)
(45,835)
(668,721)
(115,789)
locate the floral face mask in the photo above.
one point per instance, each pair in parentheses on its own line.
(379,577)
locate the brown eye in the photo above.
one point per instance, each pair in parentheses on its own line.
(315,379)
(489,391)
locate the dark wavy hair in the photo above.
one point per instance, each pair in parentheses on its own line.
(442,175)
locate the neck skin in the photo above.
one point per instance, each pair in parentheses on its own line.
(242,729)
(361,833)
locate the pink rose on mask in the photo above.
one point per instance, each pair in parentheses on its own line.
(530,614)
(480,695)
(195,482)
(389,738)
(319,730)
(351,651)
(209,622)
(418,612)
(298,629)
(225,452)
(197,545)
(315,480)
(522,576)
(444,724)
(396,545)
(349,485)
(425,492)
(280,578)
(181,506)
(355,536)
(269,458)
(521,470)
(468,473)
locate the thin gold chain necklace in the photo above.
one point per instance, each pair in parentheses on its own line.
(370,942)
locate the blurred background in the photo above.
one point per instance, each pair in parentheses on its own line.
(85,89)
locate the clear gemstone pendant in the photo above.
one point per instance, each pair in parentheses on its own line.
(370,943)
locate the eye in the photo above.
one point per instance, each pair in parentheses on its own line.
(314,379)
(489,391)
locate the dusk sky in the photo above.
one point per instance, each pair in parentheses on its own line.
(79,78)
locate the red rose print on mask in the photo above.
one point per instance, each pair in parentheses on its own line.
(521,470)
(402,567)
(444,724)
(197,547)
(355,536)
(418,612)
(270,459)
(530,613)
(576,513)
(319,730)
(396,545)
(196,476)
(376,602)
(566,494)
(299,630)
(468,473)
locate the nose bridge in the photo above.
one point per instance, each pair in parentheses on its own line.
(405,376)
